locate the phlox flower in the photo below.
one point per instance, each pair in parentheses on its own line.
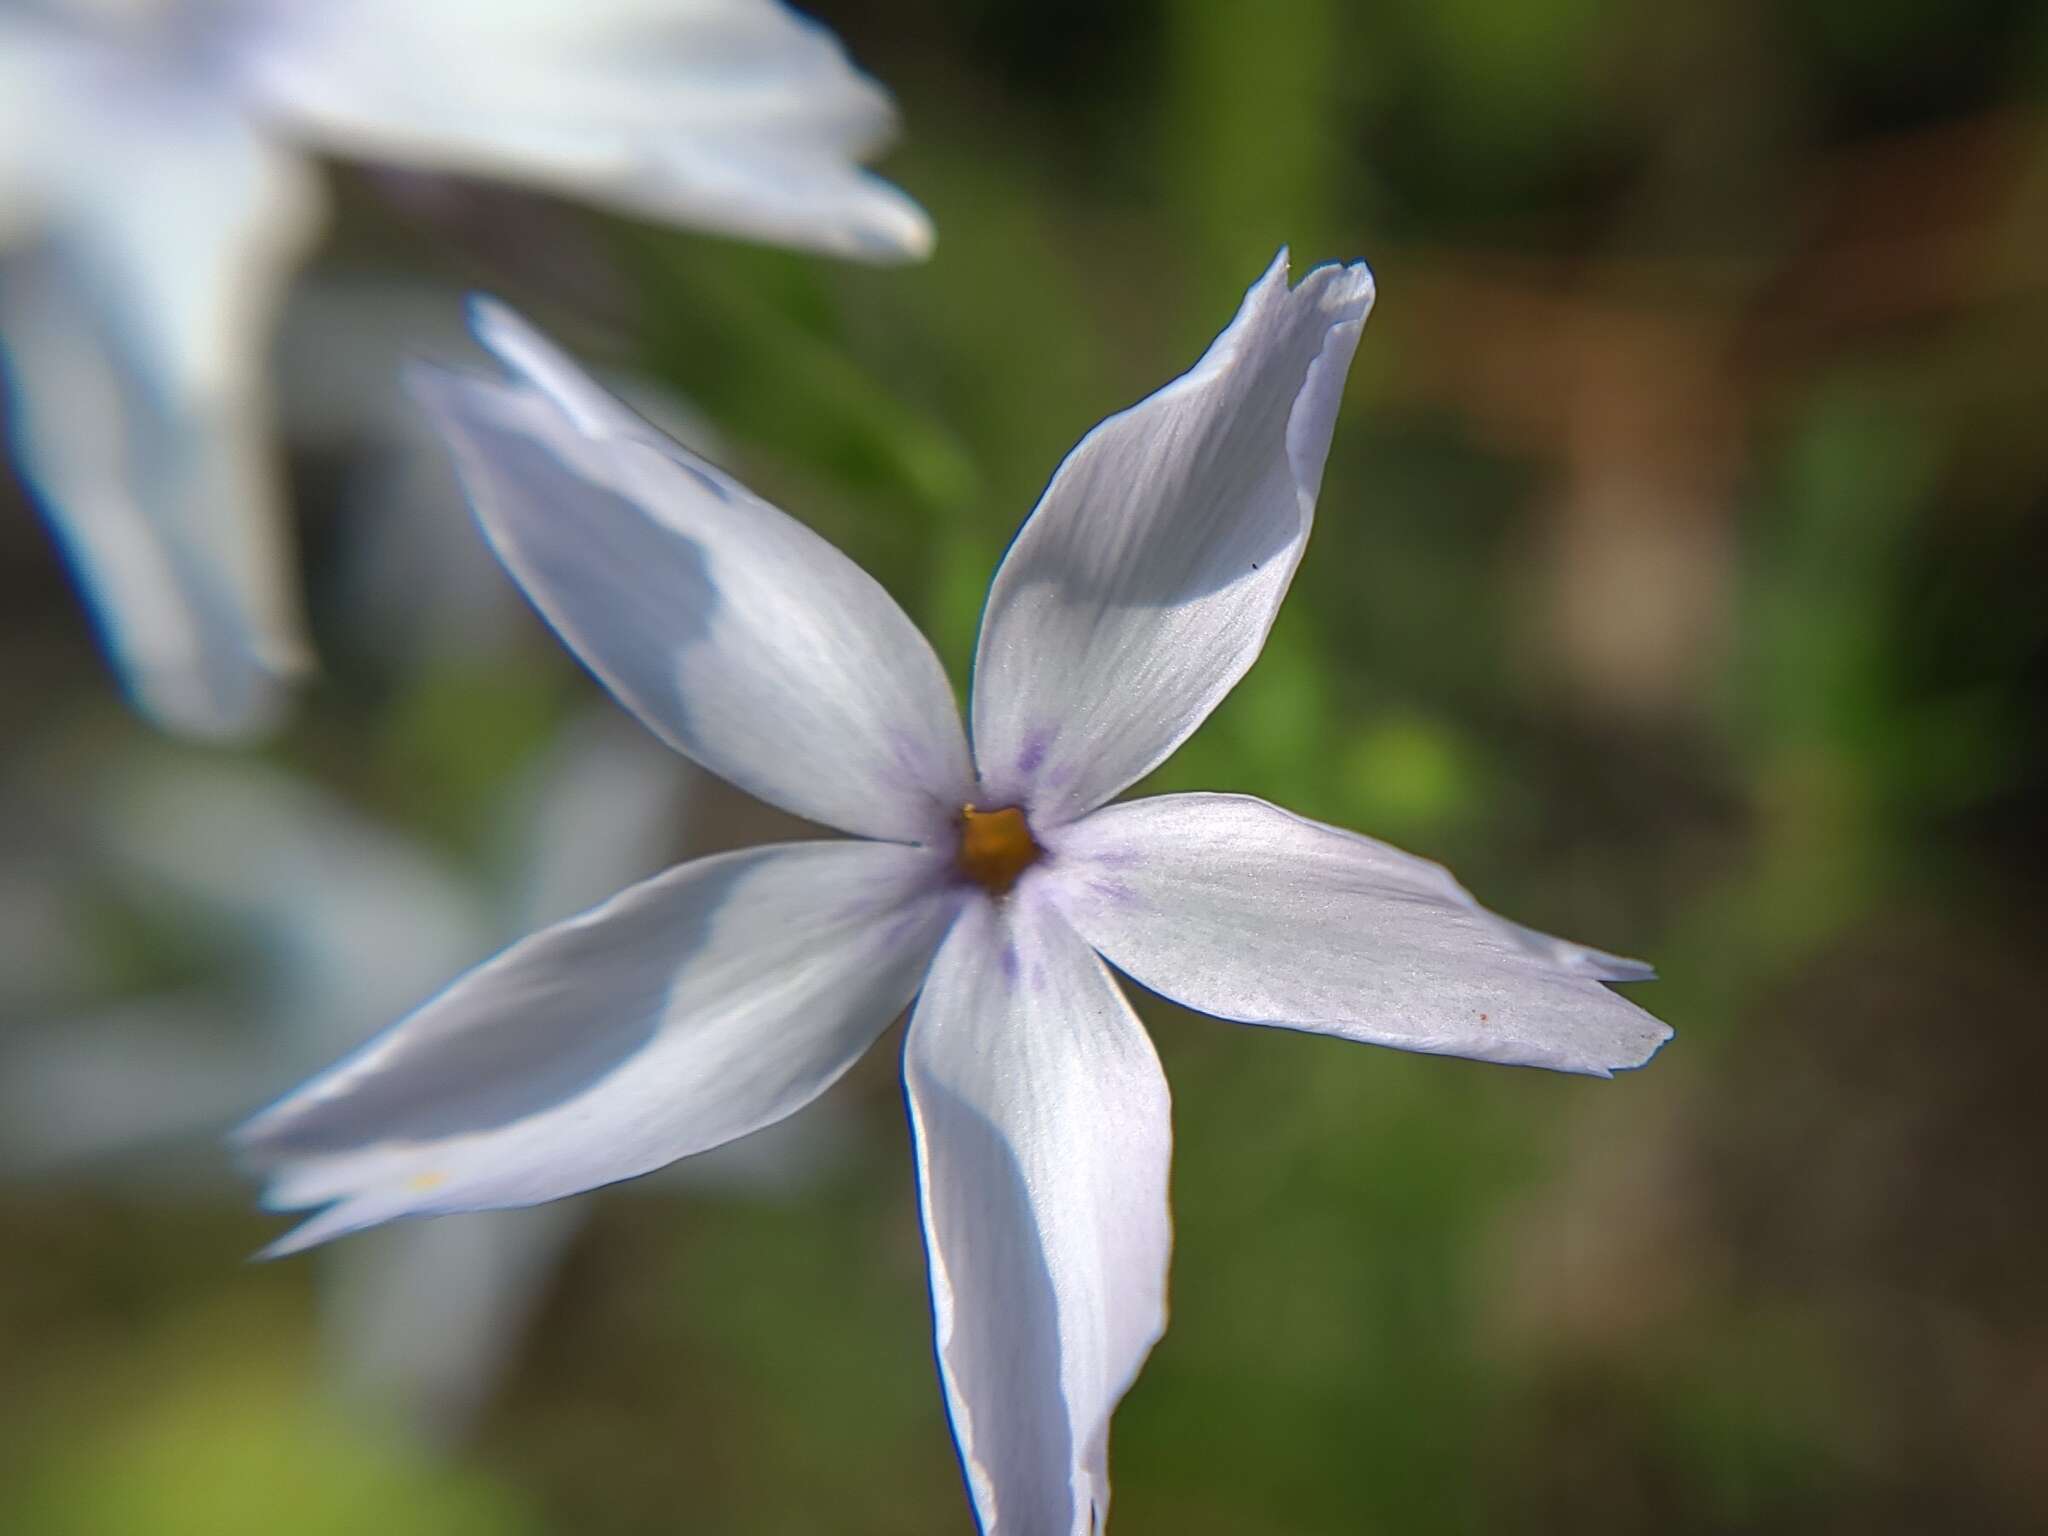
(157,188)
(988,887)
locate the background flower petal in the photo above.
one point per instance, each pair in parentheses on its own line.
(738,635)
(1143,586)
(123,1090)
(424,1319)
(133,330)
(1043,1135)
(734,115)
(687,1011)
(1237,908)
(32,87)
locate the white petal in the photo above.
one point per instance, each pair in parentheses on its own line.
(735,633)
(1144,584)
(134,338)
(685,1012)
(735,115)
(1043,1137)
(1239,909)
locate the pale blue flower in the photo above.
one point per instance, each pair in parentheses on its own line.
(988,888)
(157,187)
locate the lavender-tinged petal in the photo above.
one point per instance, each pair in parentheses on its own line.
(736,634)
(1239,909)
(1143,585)
(685,1012)
(1043,1136)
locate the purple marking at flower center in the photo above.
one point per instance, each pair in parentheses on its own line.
(1115,892)
(1032,757)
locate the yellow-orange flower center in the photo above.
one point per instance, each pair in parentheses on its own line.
(995,847)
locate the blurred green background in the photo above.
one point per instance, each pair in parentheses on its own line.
(1678,580)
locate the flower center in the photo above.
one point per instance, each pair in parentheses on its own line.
(995,847)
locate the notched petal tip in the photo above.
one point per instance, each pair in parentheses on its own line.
(1655,1041)
(1343,290)
(1160,551)
(1630,1041)
(1345,286)
(1577,959)
(1239,909)
(340,1219)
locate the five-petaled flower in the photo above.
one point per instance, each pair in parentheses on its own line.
(989,889)
(156,190)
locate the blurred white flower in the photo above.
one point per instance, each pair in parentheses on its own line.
(990,888)
(340,922)
(156,189)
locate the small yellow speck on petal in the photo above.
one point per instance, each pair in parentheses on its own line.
(420,1183)
(996,847)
